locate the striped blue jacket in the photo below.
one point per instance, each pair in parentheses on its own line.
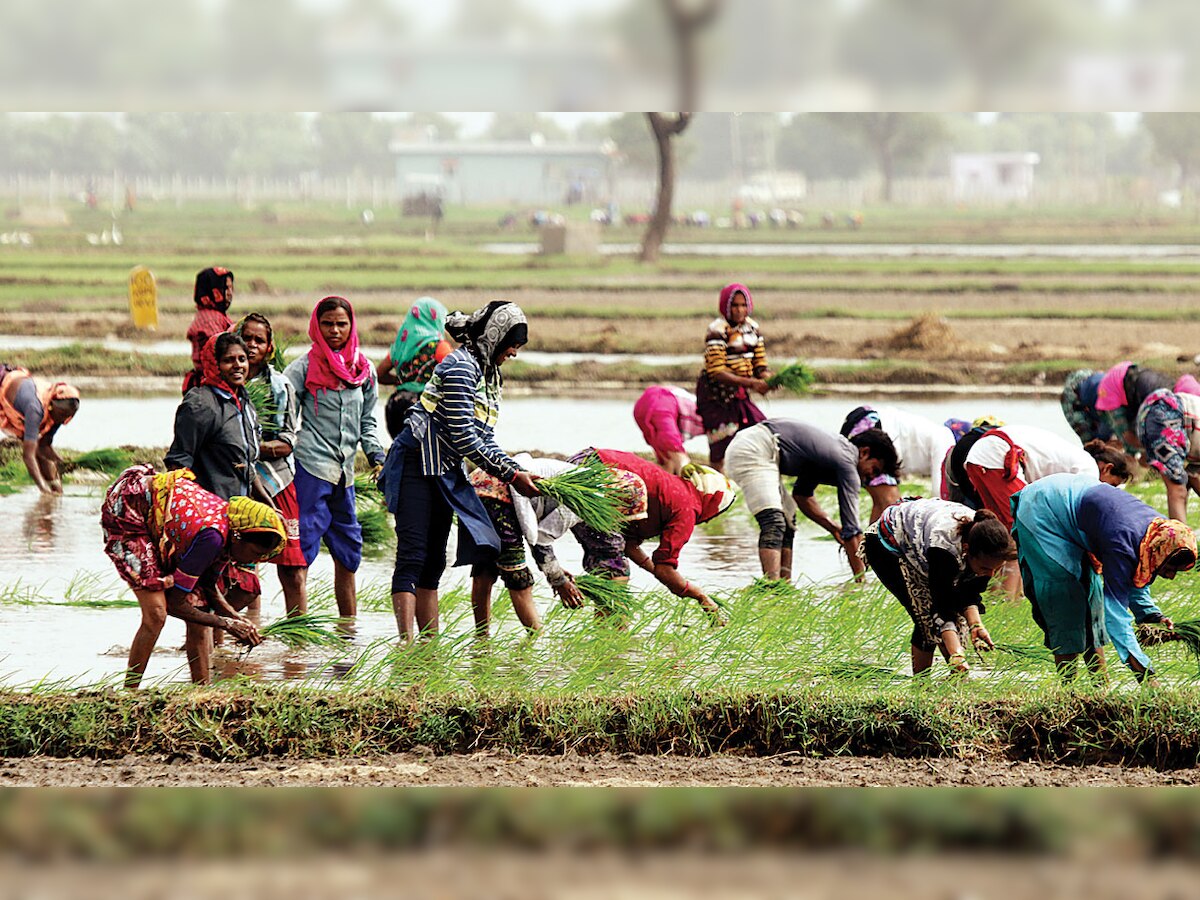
(456,419)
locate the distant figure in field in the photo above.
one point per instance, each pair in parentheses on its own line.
(33,417)
(212,295)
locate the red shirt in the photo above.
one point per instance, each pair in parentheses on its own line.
(672,506)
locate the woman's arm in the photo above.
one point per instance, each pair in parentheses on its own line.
(193,427)
(457,411)
(368,429)
(385,371)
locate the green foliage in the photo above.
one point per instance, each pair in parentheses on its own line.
(303,631)
(796,378)
(592,492)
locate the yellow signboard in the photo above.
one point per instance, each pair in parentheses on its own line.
(143,298)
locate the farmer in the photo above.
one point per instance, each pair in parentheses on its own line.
(423,479)
(1168,428)
(336,394)
(1069,529)
(170,540)
(763,453)
(216,437)
(275,468)
(1120,394)
(418,348)
(922,444)
(1079,395)
(936,557)
(212,294)
(666,416)
(735,364)
(519,519)
(674,506)
(33,417)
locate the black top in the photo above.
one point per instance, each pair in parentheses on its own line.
(1141,383)
(953,589)
(216,440)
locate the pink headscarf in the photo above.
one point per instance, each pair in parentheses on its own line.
(1111,393)
(330,370)
(726,300)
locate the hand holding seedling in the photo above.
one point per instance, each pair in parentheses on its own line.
(525,483)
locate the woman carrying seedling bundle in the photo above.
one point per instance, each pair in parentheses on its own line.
(423,479)
(735,364)
(416,351)
(936,557)
(518,519)
(336,394)
(1071,528)
(666,416)
(674,506)
(170,541)
(274,399)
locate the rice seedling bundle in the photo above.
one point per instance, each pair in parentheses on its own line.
(592,492)
(1186,632)
(109,460)
(605,593)
(796,378)
(262,399)
(307,630)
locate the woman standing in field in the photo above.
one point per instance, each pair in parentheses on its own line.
(336,395)
(735,364)
(667,416)
(170,541)
(936,557)
(275,469)
(1069,529)
(418,348)
(423,479)
(213,293)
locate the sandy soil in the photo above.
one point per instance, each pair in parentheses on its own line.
(604,770)
(660,875)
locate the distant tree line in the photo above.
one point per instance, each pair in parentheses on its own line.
(715,146)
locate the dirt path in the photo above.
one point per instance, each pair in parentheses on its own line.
(604,770)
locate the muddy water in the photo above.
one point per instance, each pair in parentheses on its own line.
(53,552)
(554,424)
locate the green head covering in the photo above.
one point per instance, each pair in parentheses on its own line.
(422,326)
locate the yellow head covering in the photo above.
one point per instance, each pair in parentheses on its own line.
(1164,537)
(162,486)
(717,491)
(248,516)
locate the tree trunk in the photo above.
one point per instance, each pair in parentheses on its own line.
(664,128)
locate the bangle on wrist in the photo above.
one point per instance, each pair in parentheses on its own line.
(974,628)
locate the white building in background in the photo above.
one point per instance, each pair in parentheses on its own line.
(993,177)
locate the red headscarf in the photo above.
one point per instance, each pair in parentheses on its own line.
(330,370)
(209,292)
(726,300)
(210,371)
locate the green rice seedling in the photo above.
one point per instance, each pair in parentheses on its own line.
(109,460)
(307,630)
(262,399)
(605,593)
(373,519)
(592,492)
(796,378)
